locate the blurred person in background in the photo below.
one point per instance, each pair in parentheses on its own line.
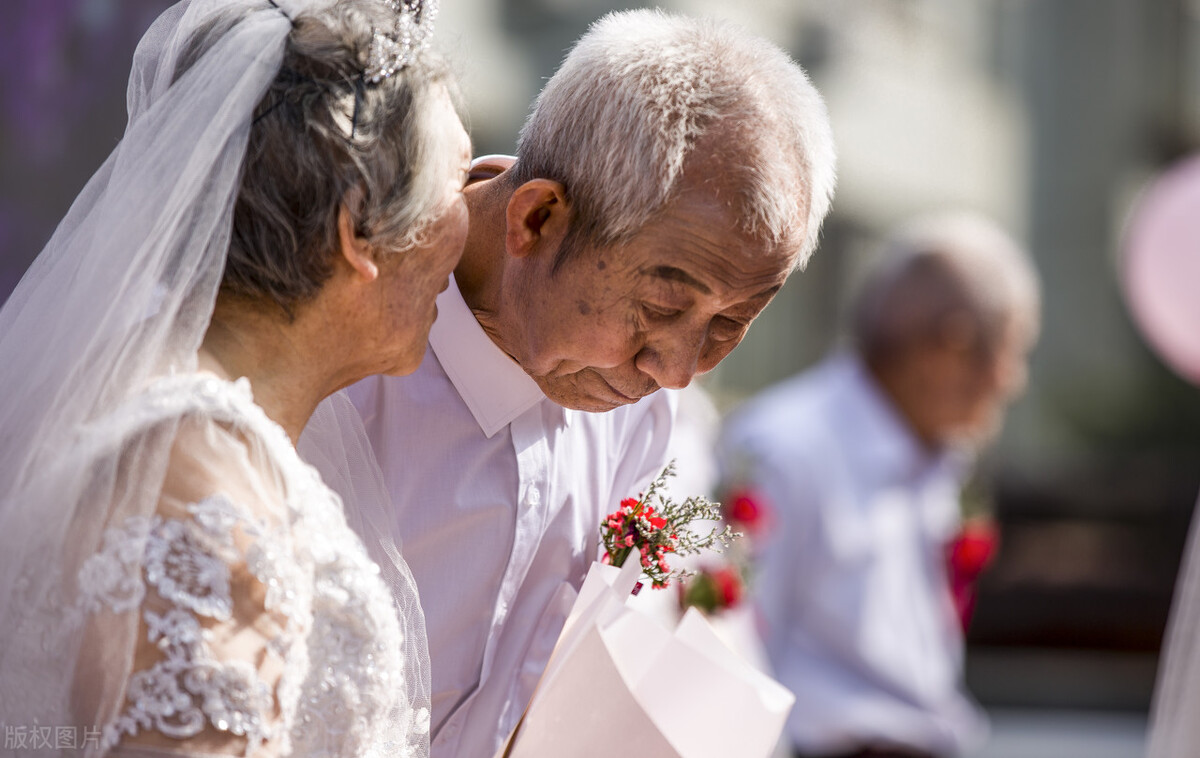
(862,459)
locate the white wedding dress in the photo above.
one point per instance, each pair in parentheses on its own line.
(174,579)
(263,625)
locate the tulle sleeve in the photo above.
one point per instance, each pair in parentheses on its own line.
(212,583)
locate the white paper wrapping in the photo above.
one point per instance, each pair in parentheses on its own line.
(619,680)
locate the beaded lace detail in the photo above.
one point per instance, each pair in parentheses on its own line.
(340,691)
(393,50)
(187,562)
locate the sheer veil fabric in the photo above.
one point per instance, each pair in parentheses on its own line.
(120,297)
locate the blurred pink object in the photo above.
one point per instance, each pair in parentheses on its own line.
(1162,267)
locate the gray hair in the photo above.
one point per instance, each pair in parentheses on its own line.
(322,137)
(938,267)
(618,121)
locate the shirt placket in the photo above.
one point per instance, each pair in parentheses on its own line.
(533,469)
(533,466)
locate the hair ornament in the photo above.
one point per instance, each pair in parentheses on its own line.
(392,50)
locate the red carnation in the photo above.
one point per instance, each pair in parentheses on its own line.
(729,582)
(747,510)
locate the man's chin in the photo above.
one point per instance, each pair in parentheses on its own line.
(592,406)
(977,434)
(573,398)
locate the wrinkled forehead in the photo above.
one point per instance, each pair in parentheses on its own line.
(698,247)
(717,207)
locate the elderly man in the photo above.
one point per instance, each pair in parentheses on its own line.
(861,459)
(672,175)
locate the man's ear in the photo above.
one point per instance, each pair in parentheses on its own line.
(537,218)
(355,249)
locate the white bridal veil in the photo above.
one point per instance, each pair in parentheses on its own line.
(121,294)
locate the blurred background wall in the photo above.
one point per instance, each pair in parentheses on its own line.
(1049,115)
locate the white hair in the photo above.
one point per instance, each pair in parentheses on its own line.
(618,121)
(316,143)
(942,265)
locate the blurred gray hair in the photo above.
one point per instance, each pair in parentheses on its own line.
(951,265)
(617,123)
(321,138)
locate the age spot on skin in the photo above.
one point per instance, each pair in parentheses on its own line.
(584,307)
(601,265)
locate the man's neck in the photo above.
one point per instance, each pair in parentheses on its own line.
(901,389)
(480,272)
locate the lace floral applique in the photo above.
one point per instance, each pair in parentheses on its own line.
(268,561)
(342,688)
(218,515)
(188,563)
(356,664)
(179,694)
(420,721)
(183,569)
(112,578)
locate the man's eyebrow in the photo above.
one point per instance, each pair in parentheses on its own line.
(679,275)
(769,291)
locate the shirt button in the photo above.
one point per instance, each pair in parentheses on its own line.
(532,497)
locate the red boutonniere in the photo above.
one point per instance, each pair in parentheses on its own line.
(713,589)
(747,510)
(967,556)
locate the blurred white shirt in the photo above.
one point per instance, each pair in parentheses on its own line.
(498,495)
(857,616)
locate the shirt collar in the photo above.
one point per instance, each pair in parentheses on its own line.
(492,384)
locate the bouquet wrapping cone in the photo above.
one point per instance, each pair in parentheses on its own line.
(619,678)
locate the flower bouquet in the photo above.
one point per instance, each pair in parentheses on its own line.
(657,526)
(672,693)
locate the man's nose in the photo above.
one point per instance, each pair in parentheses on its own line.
(671,360)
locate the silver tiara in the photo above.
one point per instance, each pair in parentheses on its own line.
(392,50)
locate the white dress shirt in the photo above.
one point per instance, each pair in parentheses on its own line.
(498,495)
(858,619)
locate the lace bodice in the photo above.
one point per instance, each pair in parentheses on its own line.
(263,628)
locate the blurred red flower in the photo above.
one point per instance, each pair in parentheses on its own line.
(967,555)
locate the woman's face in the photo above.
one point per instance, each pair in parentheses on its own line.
(413,278)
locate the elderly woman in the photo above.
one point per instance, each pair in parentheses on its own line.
(276,223)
